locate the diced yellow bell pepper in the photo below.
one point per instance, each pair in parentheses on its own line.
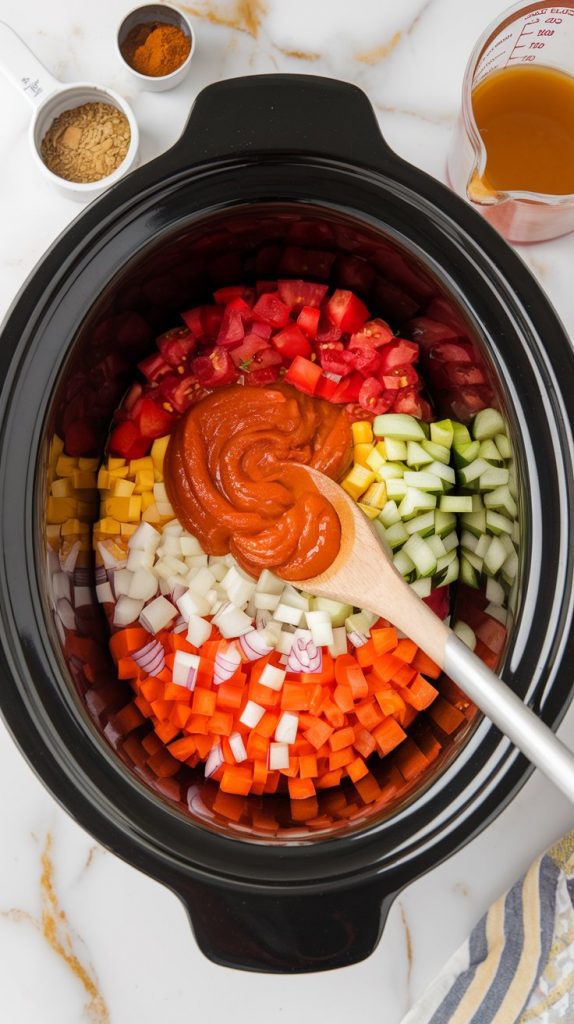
(66,465)
(158,450)
(375,460)
(369,510)
(108,525)
(63,487)
(151,514)
(357,481)
(74,528)
(90,465)
(376,496)
(115,463)
(85,480)
(145,479)
(87,509)
(128,528)
(126,510)
(147,500)
(362,432)
(103,479)
(361,452)
(122,488)
(121,473)
(136,465)
(380,447)
(53,534)
(60,509)
(56,448)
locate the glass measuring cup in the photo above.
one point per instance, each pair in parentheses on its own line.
(49,98)
(525,35)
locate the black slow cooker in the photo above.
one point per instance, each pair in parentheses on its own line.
(273,174)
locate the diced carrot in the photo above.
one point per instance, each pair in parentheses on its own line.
(343,698)
(364,742)
(179,693)
(308,766)
(368,789)
(203,701)
(263,695)
(488,656)
(126,668)
(334,715)
(237,780)
(348,673)
(295,697)
(317,697)
(301,789)
(447,717)
(151,743)
(388,735)
(425,665)
(341,738)
(144,706)
(357,769)
(301,747)
(390,702)
(183,748)
(407,716)
(272,783)
(318,734)
(152,689)
(410,760)
(163,764)
(329,779)
(126,641)
(384,640)
(368,714)
(326,675)
(405,650)
(267,725)
(303,809)
(229,697)
(204,745)
(127,719)
(162,709)
(366,654)
(257,746)
(429,745)
(293,770)
(340,758)
(221,723)
(385,666)
(229,806)
(180,715)
(419,693)
(404,675)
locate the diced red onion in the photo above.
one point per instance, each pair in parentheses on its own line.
(82,577)
(214,761)
(253,645)
(68,563)
(262,618)
(226,664)
(305,656)
(100,574)
(357,639)
(150,658)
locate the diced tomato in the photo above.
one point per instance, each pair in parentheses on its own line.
(335,359)
(367,361)
(176,345)
(453,352)
(373,334)
(374,398)
(267,357)
(266,375)
(400,377)
(304,375)
(326,388)
(346,311)
(355,273)
(291,342)
(235,291)
(326,331)
(269,309)
(439,601)
(297,293)
(308,321)
(132,398)
(203,320)
(181,392)
(427,332)
(154,367)
(456,375)
(398,353)
(261,330)
(264,287)
(127,442)
(296,262)
(215,369)
(445,312)
(348,389)
(398,304)
(152,420)
(465,402)
(232,331)
(80,438)
(249,347)
(408,401)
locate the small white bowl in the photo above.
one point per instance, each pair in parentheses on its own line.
(67,98)
(147,15)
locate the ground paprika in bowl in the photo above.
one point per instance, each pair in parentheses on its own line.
(156,43)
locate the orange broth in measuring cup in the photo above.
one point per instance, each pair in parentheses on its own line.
(525,116)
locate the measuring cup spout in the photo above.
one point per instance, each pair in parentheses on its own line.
(23,69)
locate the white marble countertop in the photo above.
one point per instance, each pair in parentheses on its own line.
(84,937)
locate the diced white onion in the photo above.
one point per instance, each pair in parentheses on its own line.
(110,561)
(191,603)
(68,562)
(185,668)
(157,615)
(357,639)
(61,587)
(66,613)
(127,610)
(286,731)
(83,596)
(238,586)
(289,615)
(272,677)
(339,644)
(199,630)
(252,714)
(232,622)
(278,756)
(202,581)
(269,583)
(104,593)
(237,747)
(143,585)
(190,545)
(145,538)
(265,602)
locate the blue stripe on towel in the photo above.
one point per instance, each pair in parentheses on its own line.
(477,952)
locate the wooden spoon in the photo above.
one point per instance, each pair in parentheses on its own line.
(363,575)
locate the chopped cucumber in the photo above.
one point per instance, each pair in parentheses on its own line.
(443,432)
(465,633)
(358,621)
(416,501)
(475,561)
(422,587)
(444,473)
(482,545)
(403,564)
(455,503)
(504,446)
(444,522)
(338,611)
(501,500)
(421,555)
(477,503)
(490,452)
(450,575)
(473,471)
(507,544)
(468,574)
(396,488)
(494,477)
(438,452)
(495,557)
(423,524)
(444,560)
(495,523)
(451,540)
(390,514)
(396,450)
(487,424)
(515,535)
(416,454)
(425,481)
(475,522)
(375,460)
(396,535)
(496,612)
(390,471)
(460,435)
(468,541)
(398,426)
(436,545)
(494,591)
(510,568)
(466,454)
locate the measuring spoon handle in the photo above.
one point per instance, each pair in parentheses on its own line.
(23,69)
(510,714)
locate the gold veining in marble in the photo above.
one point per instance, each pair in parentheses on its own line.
(243,15)
(383,50)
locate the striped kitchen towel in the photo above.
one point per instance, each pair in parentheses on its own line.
(517,966)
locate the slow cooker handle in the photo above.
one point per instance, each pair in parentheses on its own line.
(282,114)
(285,933)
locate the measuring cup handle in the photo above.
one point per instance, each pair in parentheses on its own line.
(23,69)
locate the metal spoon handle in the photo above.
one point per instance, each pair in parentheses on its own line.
(510,714)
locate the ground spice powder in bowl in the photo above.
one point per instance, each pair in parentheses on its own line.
(86,143)
(156,49)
